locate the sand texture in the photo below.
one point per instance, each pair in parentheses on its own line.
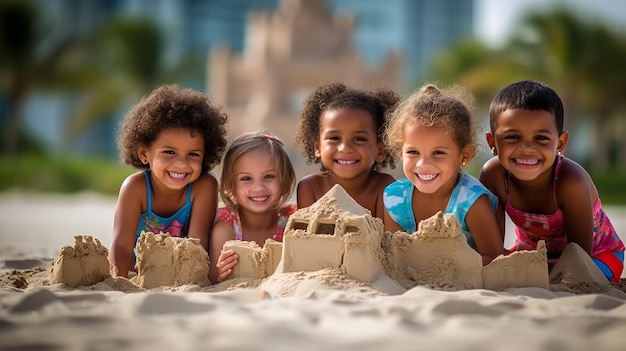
(337,282)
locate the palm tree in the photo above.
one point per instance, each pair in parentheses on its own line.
(31,56)
(129,56)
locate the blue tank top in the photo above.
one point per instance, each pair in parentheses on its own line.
(176,225)
(398,196)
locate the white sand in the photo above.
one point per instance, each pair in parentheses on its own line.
(323,309)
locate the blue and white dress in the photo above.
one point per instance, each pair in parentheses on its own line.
(398,196)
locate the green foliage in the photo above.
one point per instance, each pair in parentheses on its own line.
(61,174)
(611,186)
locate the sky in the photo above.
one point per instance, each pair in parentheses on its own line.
(496,18)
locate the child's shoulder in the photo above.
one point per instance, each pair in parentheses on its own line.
(381,179)
(133,187)
(313,179)
(134,180)
(572,173)
(205,181)
(492,166)
(492,173)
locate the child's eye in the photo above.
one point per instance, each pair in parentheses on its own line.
(511,137)
(542,138)
(332,138)
(361,139)
(169,152)
(270,176)
(194,154)
(245,179)
(412,152)
(439,153)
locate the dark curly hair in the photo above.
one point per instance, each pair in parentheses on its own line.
(337,96)
(170,106)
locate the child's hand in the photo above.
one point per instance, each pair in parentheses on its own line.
(225,263)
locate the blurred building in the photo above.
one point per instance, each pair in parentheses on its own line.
(287,54)
(415,29)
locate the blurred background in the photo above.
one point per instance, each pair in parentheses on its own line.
(71,69)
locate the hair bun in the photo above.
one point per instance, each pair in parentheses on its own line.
(430,89)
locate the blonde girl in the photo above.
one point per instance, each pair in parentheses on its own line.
(432,132)
(257,180)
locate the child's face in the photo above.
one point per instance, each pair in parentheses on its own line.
(526,142)
(257,186)
(348,144)
(175,157)
(431,159)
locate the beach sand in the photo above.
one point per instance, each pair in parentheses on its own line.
(324,308)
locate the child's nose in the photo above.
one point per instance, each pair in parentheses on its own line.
(528,145)
(422,161)
(345,147)
(256,185)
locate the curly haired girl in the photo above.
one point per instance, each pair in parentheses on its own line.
(433,132)
(175,137)
(342,128)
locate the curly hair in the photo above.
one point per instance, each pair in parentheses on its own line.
(248,142)
(337,96)
(170,106)
(429,106)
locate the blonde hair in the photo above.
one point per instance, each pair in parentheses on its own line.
(248,142)
(429,106)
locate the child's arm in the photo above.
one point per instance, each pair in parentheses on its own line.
(204,198)
(483,226)
(576,196)
(390,224)
(492,177)
(305,193)
(381,180)
(127,212)
(222,263)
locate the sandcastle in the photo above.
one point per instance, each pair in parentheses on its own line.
(254,261)
(333,233)
(164,260)
(337,233)
(85,263)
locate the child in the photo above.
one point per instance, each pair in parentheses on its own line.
(175,136)
(257,181)
(341,129)
(432,131)
(548,196)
